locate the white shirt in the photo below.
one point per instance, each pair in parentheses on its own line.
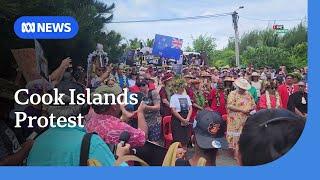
(131,82)
(180,101)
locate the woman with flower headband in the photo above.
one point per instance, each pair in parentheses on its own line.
(181,108)
(271,98)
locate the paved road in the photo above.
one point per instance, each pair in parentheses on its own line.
(224,159)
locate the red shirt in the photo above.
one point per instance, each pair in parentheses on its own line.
(151,86)
(263,102)
(109,129)
(193,99)
(212,97)
(134,89)
(164,110)
(285,91)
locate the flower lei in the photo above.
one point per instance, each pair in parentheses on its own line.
(200,100)
(118,80)
(217,98)
(269,101)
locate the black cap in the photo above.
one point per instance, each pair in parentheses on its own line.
(209,130)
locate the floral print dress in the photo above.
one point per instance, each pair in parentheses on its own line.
(236,120)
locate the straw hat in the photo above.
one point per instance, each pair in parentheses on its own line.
(242,83)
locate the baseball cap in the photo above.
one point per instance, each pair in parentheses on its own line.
(209,130)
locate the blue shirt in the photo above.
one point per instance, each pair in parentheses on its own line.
(123,81)
(61,147)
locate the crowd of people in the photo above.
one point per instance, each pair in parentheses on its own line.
(255,113)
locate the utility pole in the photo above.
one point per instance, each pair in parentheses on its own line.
(235,19)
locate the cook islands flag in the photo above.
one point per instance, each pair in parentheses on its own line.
(168,47)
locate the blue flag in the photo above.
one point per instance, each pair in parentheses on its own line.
(168,47)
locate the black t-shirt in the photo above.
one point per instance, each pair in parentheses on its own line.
(298,100)
(9,143)
(182,162)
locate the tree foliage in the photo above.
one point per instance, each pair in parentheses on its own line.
(267,47)
(149,42)
(204,43)
(91,15)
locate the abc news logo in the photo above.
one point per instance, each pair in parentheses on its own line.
(31,27)
(46,27)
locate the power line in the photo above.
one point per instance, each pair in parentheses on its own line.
(198,17)
(257,19)
(172,19)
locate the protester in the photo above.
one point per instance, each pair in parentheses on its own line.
(165,94)
(271,98)
(239,105)
(285,90)
(209,137)
(101,74)
(253,93)
(105,120)
(132,79)
(268,135)
(150,100)
(256,83)
(228,85)
(12,153)
(298,101)
(60,146)
(181,108)
(217,99)
(120,77)
(197,98)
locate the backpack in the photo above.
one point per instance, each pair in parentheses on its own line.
(85,149)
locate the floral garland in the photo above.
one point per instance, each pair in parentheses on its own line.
(218,98)
(269,101)
(118,80)
(200,100)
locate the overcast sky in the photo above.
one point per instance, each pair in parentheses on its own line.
(219,28)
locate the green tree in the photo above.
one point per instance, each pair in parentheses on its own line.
(134,43)
(204,43)
(149,42)
(265,56)
(223,58)
(290,48)
(91,15)
(295,36)
(298,57)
